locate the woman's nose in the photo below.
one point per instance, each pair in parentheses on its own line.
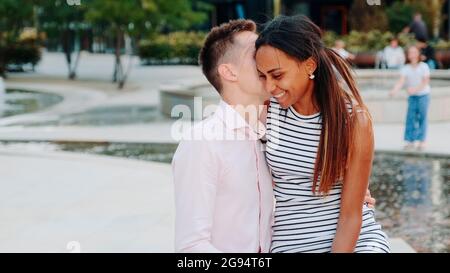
(270,86)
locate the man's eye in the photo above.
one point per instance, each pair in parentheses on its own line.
(276,77)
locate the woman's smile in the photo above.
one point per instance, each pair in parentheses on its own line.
(280,95)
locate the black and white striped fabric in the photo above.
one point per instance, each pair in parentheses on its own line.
(305,222)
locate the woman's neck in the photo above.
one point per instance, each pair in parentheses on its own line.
(307,104)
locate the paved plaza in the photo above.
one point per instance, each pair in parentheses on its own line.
(64,201)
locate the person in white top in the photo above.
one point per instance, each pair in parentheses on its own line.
(415,76)
(393,55)
(339,47)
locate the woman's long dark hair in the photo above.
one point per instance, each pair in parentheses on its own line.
(299,37)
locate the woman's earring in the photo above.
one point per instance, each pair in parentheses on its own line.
(312,76)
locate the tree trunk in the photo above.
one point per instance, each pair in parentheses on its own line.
(2,66)
(73,69)
(67,48)
(2,71)
(129,52)
(3,62)
(118,72)
(437,6)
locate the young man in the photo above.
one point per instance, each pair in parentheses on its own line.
(223,189)
(418,27)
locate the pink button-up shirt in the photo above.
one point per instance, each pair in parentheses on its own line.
(223,188)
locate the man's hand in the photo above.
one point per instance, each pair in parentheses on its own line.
(369,200)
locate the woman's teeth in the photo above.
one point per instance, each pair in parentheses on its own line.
(279,95)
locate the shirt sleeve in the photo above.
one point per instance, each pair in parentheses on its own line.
(195,173)
(426,70)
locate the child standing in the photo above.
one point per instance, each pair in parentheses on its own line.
(416,76)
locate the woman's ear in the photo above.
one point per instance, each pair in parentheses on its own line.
(227,72)
(310,65)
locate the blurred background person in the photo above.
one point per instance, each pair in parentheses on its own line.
(393,55)
(416,75)
(427,53)
(339,47)
(418,27)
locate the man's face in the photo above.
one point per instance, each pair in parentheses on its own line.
(248,78)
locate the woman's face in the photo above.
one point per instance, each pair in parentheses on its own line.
(284,77)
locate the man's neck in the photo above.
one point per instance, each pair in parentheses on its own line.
(249,107)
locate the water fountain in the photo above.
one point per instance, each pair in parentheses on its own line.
(374,86)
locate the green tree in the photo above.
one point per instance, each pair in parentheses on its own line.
(366,18)
(400,14)
(431,11)
(14,16)
(132,18)
(65,21)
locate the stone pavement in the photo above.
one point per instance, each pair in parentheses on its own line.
(53,201)
(50,201)
(64,202)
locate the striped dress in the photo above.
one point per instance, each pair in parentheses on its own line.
(305,222)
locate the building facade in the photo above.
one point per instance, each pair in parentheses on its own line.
(328,14)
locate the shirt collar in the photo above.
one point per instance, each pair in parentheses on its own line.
(233,120)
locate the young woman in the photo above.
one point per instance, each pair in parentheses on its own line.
(416,75)
(320,143)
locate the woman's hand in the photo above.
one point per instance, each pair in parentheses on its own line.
(369,200)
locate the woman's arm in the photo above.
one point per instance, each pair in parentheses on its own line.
(356,180)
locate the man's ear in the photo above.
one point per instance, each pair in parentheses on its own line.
(227,72)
